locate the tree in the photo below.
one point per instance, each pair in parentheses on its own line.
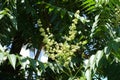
(75,52)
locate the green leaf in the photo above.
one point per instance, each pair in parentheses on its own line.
(92,61)
(107,52)
(41,65)
(88,74)
(2,13)
(89,4)
(12,59)
(1,16)
(94,26)
(84,42)
(117,39)
(33,63)
(63,12)
(99,55)
(22,1)
(52,67)
(1,57)
(51,9)
(24,62)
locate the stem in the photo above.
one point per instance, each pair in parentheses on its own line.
(65,72)
(38,52)
(70,72)
(77,72)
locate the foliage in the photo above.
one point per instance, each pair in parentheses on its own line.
(81,39)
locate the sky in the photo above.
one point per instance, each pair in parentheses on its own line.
(29,53)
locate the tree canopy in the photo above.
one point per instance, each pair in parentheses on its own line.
(80,37)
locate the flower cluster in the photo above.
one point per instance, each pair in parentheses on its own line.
(61,52)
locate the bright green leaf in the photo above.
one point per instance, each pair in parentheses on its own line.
(88,74)
(1,16)
(99,55)
(1,57)
(2,13)
(12,59)
(92,61)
